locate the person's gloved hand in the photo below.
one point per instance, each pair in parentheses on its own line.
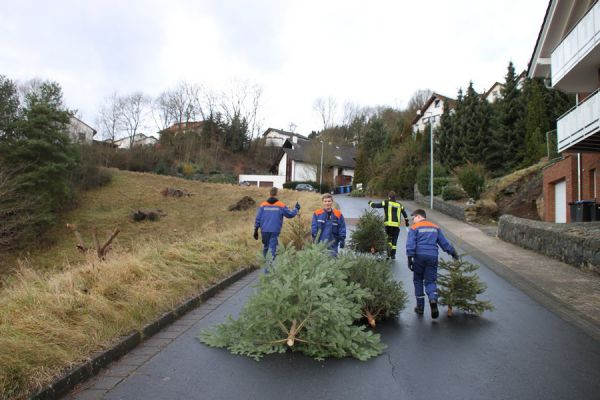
(297,206)
(454,255)
(370,203)
(406,222)
(411,263)
(342,243)
(255,234)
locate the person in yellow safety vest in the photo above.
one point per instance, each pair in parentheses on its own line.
(391,210)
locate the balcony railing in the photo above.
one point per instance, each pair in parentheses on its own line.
(577,44)
(579,122)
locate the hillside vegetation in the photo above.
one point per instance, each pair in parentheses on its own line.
(60,306)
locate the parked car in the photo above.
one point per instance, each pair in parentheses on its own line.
(305,187)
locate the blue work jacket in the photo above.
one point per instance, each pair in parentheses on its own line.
(328,226)
(269,217)
(424,238)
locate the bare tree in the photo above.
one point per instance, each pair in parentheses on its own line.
(418,100)
(326,107)
(161,111)
(133,112)
(109,117)
(242,100)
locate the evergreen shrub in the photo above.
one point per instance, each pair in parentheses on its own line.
(423,175)
(387,297)
(453,192)
(472,179)
(369,235)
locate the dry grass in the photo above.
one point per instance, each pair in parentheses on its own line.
(499,184)
(57,315)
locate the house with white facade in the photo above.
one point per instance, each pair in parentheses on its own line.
(277,137)
(139,140)
(495,92)
(567,57)
(431,112)
(299,162)
(79,131)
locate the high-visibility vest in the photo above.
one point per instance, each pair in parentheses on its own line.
(392,211)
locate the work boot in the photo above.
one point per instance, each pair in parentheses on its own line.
(434,309)
(419,310)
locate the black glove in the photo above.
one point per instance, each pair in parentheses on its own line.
(406,222)
(370,203)
(255,234)
(342,243)
(454,255)
(297,206)
(411,263)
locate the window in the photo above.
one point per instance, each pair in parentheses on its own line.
(593,186)
(437,104)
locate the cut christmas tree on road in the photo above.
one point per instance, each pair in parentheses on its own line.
(305,304)
(459,286)
(369,234)
(387,296)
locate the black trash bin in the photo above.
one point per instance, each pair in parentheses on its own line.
(596,212)
(583,210)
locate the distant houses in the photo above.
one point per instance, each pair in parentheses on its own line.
(431,112)
(79,131)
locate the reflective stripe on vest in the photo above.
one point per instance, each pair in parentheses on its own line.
(392,213)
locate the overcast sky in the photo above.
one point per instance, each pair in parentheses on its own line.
(370,53)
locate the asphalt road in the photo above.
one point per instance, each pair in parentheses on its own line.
(519,351)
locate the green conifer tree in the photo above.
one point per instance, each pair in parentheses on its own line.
(305,304)
(459,286)
(536,122)
(387,296)
(369,234)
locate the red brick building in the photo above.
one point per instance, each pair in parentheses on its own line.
(567,58)
(561,178)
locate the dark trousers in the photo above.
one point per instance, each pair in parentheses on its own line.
(270,241)
(392,234)
(425,276)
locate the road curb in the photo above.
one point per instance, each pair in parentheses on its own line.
(82,372)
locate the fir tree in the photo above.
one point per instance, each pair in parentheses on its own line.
(369,235)
(536,122)
(456,142)
(443,134)
(459,286)
(387,297)
(305,304)
(506,148)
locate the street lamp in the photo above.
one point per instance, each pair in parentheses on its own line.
(430,157)
(321,169)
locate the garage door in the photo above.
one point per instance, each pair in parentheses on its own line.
(560,202)
(266,184)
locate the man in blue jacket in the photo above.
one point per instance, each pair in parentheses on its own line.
(269,219)
(328,225)
(422,251)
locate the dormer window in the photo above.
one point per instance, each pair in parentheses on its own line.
(437,103)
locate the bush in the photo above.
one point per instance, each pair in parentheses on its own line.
(472,179)
(453,192)
(369,235)
(357,193)
(440,174)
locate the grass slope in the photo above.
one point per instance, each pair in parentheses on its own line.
(62,306)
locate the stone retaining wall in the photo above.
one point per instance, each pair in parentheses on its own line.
(577,244)
(453,209)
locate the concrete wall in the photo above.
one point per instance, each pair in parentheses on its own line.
(454,210)
(577,244)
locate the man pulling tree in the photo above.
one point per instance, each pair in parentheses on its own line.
(422,251)
(391,210)
(269,219)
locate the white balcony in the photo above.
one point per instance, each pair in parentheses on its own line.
(576,60)
(579,128)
